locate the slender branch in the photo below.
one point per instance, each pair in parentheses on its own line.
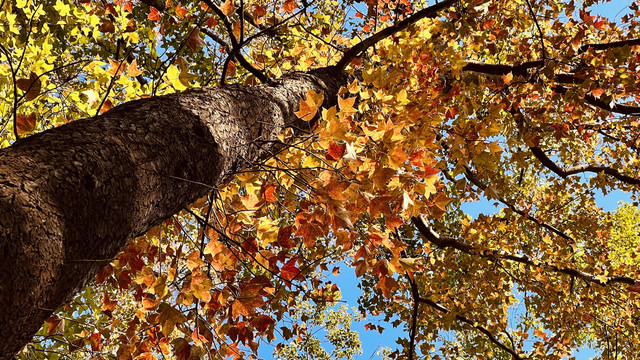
(474,325)
(473,178)
(535,21)
(235,48)
(547,162)
(494,255)
(356,50)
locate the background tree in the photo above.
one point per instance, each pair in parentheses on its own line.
(333,133)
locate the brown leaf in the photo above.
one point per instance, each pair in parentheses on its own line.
(25,123)
(31,86)
(195,40)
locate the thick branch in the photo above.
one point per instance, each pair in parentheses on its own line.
(494,255)
(548,163)
(611,45)
(612,107)
(356,50)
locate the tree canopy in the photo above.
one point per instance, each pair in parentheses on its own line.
(406,112)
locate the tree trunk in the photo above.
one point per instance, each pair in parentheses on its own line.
(73,196)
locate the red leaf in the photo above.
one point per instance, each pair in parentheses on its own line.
(284,237)
(336,151)
(262,322)
(96,344)
(154,15)
(289,271)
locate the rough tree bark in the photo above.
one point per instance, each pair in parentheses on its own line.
(72,197)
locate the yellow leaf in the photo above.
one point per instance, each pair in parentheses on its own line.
(62,8)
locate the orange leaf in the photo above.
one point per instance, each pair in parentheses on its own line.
(132,69)
(309,106)
(25,123)
(387,284)
(116,68)
(507,78)
(154,15)
(597,92)
(106,106)
(95,340)
(268,193)
(228,7)
(289,6)
(346,105)
(180,11)
(128,6)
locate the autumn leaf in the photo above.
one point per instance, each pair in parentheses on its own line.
(180,11)
(25,123)
(154,15)
(335,151)
(195,40)
(115,67)
(56,325)
(289,271)
(507,79)
(30,86)
(309,106)
(132,69)
(228,7)
(289,6)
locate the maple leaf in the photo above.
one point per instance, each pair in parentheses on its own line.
(335,151)
(228,7)
(154,15)
(289,6)
(289,271)
(132,69)
(26,123)
(309,106)
(30,86)
(180,11)
(195,40)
